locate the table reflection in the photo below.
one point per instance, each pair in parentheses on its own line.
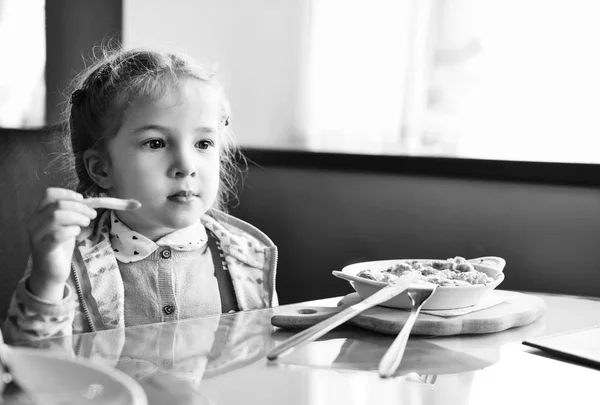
(170,360)
(352,348)
(221,360)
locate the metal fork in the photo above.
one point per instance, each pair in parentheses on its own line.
(393,356)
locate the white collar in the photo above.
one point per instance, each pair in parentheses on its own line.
(130,246)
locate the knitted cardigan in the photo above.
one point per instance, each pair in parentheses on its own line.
(94,298)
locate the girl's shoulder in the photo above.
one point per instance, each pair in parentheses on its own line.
(240,240)
(226,226)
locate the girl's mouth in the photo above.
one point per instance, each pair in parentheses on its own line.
(183,197)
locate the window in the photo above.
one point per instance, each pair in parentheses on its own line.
(23,49)
(490,79)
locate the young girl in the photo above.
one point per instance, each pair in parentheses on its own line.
(143,239)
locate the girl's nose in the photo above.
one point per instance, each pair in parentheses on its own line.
(183,165)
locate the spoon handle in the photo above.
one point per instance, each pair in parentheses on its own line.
(392,358)
(318,330)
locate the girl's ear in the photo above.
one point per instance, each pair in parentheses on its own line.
(97,168)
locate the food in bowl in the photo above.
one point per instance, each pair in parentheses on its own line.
(456,271)
(446,296)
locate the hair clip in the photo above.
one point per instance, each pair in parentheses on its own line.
(102,75)
(77,97)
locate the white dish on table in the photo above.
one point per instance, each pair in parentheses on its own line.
(445,297)
(54,378)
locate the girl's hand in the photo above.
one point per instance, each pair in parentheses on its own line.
(55,224)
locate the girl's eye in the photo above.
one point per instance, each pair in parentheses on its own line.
(154,143)
(205,144)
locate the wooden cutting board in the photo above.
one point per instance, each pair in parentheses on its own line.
(517,309)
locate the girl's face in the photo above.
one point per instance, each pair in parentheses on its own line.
(166,156)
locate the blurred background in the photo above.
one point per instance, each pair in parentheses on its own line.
(486,79)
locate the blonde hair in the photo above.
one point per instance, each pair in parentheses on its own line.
(101,95)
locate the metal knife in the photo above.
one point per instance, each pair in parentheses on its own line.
(318,330)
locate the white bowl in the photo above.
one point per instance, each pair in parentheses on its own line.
(55,378)
(445,297)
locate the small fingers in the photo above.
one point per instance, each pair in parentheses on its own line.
(53,194)
(49,237)
(112,203)
(69,217)
(52,220)
(57,212)
(75,206)
(61,234)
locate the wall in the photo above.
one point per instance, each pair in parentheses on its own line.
(323,220)
(24,174)
(73,29)
(259,47)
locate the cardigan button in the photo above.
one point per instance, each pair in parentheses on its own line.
(169,309)
(165,253)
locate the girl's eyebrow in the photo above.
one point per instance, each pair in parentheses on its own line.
(165,130)
(208,130)
(150,127)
